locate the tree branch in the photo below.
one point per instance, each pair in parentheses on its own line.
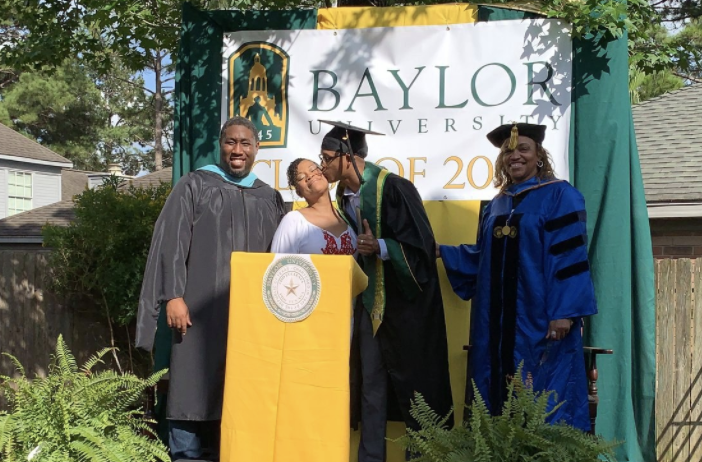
(687,77)
(112,333)
(8,75)
(141,140)
(158,26)
(135,85)
(129,343)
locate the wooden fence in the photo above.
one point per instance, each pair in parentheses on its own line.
(31,319)
(679,360)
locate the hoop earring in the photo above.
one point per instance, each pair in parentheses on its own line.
(539,163)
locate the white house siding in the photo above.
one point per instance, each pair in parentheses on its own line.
(46,189)
(46,183)
(95,180)
(3,193)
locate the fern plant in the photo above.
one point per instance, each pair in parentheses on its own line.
(76,414)
(519,434)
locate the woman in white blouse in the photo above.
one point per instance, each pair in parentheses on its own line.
(317,228)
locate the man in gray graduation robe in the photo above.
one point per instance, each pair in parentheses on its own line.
(210,213)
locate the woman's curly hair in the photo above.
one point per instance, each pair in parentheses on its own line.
(503,180)
(292,173)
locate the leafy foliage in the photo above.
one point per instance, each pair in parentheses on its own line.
(77,414)
(131,37)
(54,29)
(652,85)
(519,434)
(102,254)
(138,31)
(63,112)
(679,10)
(607,19)
(128,135)
(90,119)
(689,39)
(8,31)
(684,70)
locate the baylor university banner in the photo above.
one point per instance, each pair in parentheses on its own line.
(435,103)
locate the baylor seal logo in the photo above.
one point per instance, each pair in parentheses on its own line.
(291,288)
(258,90)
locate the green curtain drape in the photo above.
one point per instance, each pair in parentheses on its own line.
(608,173)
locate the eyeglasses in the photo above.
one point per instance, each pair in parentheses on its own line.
(316,171)
(325,159)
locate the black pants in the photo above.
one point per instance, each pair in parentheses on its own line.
(192,440)
(374,394)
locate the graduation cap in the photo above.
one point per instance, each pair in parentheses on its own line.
(347,139)
(513,131)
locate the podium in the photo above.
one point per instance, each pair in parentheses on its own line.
(286,391)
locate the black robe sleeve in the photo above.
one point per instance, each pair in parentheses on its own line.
(280,206)
(166,267)
(410,239)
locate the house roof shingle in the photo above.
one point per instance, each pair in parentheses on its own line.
(29,224)
(152,179)
(668,137)
(17,145)
(73,182)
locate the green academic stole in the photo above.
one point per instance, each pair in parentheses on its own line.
(371,206)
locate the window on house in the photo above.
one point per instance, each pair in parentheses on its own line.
(19,193)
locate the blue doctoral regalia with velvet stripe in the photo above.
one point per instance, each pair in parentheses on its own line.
(520,278)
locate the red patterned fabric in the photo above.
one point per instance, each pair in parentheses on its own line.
(332,249)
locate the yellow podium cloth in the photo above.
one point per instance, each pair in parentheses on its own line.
(286,392)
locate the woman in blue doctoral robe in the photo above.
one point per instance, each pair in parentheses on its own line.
(529,279)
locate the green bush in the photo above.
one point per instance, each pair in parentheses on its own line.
(77,415)
(519,434)
(102,254)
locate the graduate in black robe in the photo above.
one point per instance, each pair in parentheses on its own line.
(210,213)
(399,346)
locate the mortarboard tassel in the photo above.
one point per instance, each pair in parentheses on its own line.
(514,138)
(353,158)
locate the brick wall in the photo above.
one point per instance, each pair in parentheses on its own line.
(676,237)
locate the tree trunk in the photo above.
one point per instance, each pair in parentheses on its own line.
(158,112)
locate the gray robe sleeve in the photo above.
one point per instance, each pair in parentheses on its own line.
(166,267)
